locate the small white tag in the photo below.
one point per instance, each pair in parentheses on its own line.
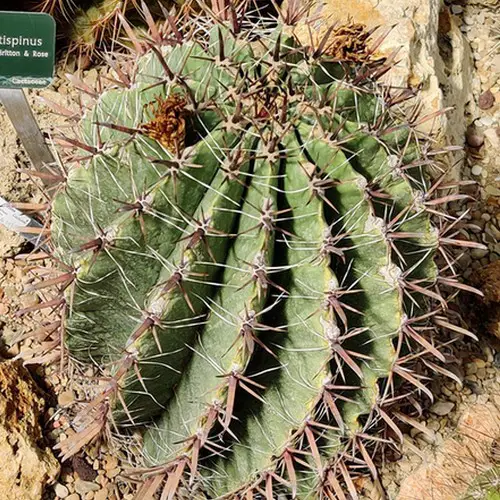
(12,218)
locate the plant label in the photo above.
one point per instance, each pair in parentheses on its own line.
(27,49)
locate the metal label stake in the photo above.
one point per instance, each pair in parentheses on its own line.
(21,116)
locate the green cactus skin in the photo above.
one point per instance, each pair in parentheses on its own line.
(256,289)
(485,486)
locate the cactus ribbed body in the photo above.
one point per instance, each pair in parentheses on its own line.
(249,241)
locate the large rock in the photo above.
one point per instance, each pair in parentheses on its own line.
(26,464)
(432,53)
(447,475)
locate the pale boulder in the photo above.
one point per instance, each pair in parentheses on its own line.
(432,53)
(461,457)
(26,463)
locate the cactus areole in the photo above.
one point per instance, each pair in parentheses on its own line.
(252,259)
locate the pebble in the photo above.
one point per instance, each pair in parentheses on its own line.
(14,350)
(494,231)
(443,423)
(10,292)
(83,487)
(496,63)
(471,368)
(483,398)
(479,253)
(446,391)
(433,425)
(492,136)
(442,408)
(480,363)
(61,491)
(113,472)
(28,300)
(110,463)
(457,9)
(430,438)
(73,496)
(101,494)
(83,469)
(476,170)
(486,100)
(414,432)
(66,477)
(66,398)
(91,77)
(473,387)
(487,121)
(474,138)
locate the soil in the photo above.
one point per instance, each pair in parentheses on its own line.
(427,457)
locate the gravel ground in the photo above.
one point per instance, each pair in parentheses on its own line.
(100,473)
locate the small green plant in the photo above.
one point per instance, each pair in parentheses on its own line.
(92,26)
(486,486)
(248,254)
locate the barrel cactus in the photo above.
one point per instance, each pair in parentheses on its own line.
(248,254)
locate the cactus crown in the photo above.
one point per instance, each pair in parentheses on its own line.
(252,258)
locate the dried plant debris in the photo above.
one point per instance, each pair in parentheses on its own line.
(350,43)
(167,123)
(487,311)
